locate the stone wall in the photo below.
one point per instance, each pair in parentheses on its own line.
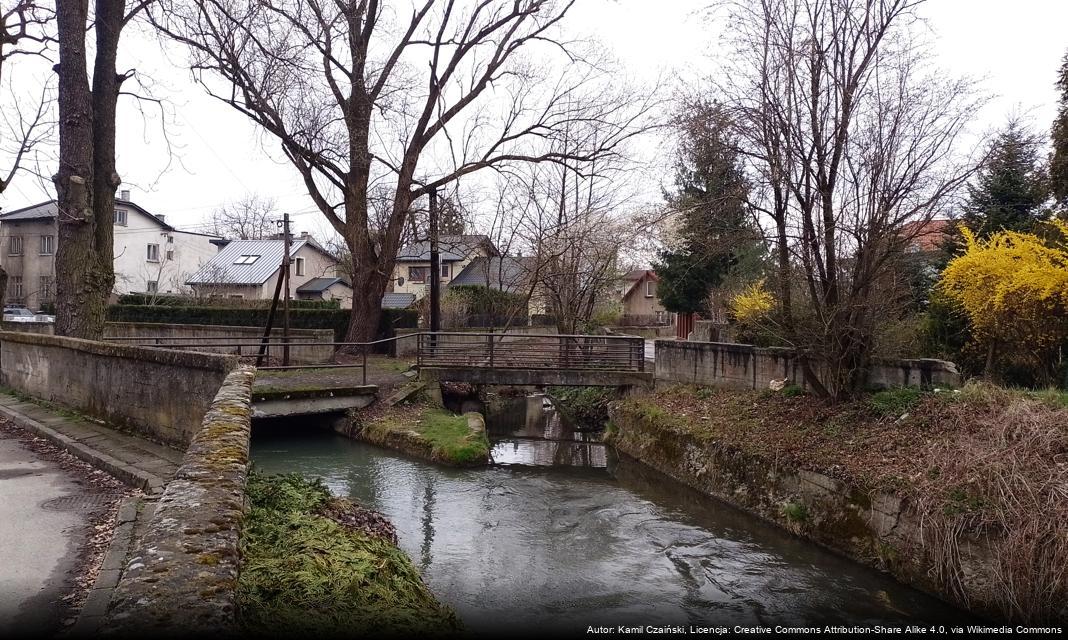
(160,393)
(872,527)
(181,577)
(299,354)
(744,366)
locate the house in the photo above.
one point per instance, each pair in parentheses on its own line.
(150,255)
(411,272)
(641,306)
(926,236)
(512,274)
(249,269)
(398,300)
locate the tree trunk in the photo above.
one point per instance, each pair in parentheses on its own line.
(77,307)
(86,181)
(367,292)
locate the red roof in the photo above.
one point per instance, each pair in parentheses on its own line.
(926,235)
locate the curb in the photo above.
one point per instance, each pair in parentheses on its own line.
(91,616)
(147,482)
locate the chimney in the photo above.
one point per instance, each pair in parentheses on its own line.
(160,217)
(124,195)
(304,234)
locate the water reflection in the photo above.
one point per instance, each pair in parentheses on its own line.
(557,549)
(530,431)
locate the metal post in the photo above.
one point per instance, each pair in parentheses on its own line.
(365,348)
(491,349)
(435,267)
(285,305)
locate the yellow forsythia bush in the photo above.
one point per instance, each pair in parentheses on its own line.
(752,303)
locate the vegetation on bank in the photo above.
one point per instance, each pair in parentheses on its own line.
(586,407)
(424,430)
(983,461)
(316,564)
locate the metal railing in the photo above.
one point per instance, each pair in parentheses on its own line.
(531,351)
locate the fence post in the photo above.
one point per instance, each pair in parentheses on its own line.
(365,347)
(491,350)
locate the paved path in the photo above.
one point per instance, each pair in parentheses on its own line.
(40,542)
(134,460)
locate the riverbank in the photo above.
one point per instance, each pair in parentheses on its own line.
(317,564)
(421,429)
(960,494)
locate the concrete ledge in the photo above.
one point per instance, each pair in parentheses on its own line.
(182,575)
(189,359)
(277,404)
(91,616)
(538,377)
(148,482)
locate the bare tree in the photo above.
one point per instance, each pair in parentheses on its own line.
(87,178)
(849,136)
(23,32)
(250,218)
(360,95)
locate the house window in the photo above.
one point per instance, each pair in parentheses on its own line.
(16,286)
(170,255)
(300,266)
(14,246)
(649,289)
(46,288)
(246,259)
(120,217)
(153,253)
(417,274)
(153,286)
(48,244)
(445,271)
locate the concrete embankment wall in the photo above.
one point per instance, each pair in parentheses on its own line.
(320,352)
(163,394)
(875,528)
(182,575)
(743,366)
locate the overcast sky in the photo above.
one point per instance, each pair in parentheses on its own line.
(1012,48)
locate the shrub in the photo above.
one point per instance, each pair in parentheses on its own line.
(894,402)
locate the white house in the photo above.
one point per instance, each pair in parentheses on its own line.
(411,272)
(150,255)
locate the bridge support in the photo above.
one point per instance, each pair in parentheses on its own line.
(279,404)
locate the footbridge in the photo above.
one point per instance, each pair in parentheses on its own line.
(533,359)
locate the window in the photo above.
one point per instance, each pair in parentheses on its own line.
(16,286)
(14,246)
(120,217)
(649,289)
(46,288)
(417,274)
(48,244)
(246,259)
(300,266)
(153,253)
(170,255)
(152,286)
(444,271)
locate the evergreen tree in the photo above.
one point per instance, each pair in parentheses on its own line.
(716,233)
(1058,164)
(1010,187)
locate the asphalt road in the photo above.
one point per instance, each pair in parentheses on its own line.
(38,542)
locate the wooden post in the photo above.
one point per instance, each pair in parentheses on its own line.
(285,304)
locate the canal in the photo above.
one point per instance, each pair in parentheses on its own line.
(561,534)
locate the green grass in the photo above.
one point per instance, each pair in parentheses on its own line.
(451,438)
(795,512)
(304,574)
(894,402)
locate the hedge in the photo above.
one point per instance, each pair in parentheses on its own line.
(171,300)
(336,319)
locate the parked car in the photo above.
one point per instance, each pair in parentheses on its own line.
(14,313)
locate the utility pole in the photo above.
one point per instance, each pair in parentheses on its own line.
(435,265)
(287,242)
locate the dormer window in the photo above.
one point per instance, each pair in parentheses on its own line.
(246,259)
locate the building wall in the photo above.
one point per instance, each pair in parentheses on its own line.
(31,266)
(637,303)
(421,289)
(133,269)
